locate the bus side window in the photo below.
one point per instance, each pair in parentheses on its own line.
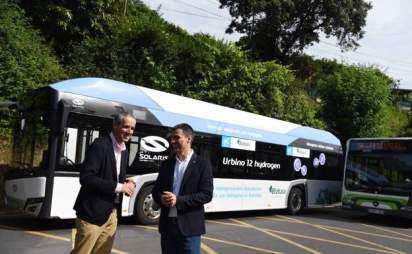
(208,152)
(207,146)
(77,137)
(75,144)
(329,170)
(133,150)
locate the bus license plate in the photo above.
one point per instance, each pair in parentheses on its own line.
(375,211)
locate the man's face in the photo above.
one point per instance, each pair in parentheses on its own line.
(180,142)
(124,131)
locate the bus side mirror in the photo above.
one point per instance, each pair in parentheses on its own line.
(22,124)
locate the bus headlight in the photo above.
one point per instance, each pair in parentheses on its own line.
(33,205)
(348,203)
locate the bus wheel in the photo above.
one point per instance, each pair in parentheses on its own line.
(144,211)
(295,201)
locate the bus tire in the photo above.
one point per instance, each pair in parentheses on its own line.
(295,201)
(145,213)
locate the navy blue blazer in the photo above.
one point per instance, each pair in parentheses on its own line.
(195,191)
(98,179)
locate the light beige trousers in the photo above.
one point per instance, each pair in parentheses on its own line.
(91,238)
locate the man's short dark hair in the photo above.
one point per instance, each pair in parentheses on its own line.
(119,118)
(186,128)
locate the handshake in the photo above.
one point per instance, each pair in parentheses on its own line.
(128,187)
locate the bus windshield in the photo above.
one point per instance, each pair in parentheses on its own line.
(383,167)
(31,140)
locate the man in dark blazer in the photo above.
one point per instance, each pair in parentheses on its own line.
(102,179)
(183,186)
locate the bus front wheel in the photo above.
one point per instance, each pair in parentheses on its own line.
(146,212)
(295,201)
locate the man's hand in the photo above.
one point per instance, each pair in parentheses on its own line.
(128,188)
(168,199)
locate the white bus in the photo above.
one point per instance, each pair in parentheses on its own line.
(378,176)
(258,162)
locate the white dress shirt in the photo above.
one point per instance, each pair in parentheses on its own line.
(117,148)
(179,171)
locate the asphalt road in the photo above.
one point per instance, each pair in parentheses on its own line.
(316,231)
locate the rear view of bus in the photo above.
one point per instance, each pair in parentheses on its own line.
(378,176)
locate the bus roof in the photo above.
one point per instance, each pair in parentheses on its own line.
(171,109)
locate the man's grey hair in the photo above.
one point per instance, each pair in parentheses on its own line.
(119,118)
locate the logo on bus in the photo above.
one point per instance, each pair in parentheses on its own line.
(78,102)
(238,143)
(154,144)
(276,191)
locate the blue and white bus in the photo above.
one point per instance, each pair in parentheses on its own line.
(258,162)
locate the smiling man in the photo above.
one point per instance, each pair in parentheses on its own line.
(183,186)
(102,179)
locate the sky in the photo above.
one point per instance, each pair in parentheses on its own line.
(387,43)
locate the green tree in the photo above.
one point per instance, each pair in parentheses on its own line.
(97,38)
(139,49)
(26,62)
(403,122)
(147,51)
(265,88)
(394,122)
(66,23)
(357,102)
(278,29)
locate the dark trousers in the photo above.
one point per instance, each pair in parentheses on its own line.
(173,242)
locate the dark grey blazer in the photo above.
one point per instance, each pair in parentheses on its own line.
(98,179)
(195,191)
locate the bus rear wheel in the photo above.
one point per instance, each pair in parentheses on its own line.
(145,212)
(295,201)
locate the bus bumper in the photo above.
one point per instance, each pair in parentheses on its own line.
(25,194)
(405,211)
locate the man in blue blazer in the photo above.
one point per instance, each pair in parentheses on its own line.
(102,179)
(183,186)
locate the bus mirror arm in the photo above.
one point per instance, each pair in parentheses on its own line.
(64,111)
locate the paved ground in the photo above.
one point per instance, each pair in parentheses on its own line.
(316,231)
